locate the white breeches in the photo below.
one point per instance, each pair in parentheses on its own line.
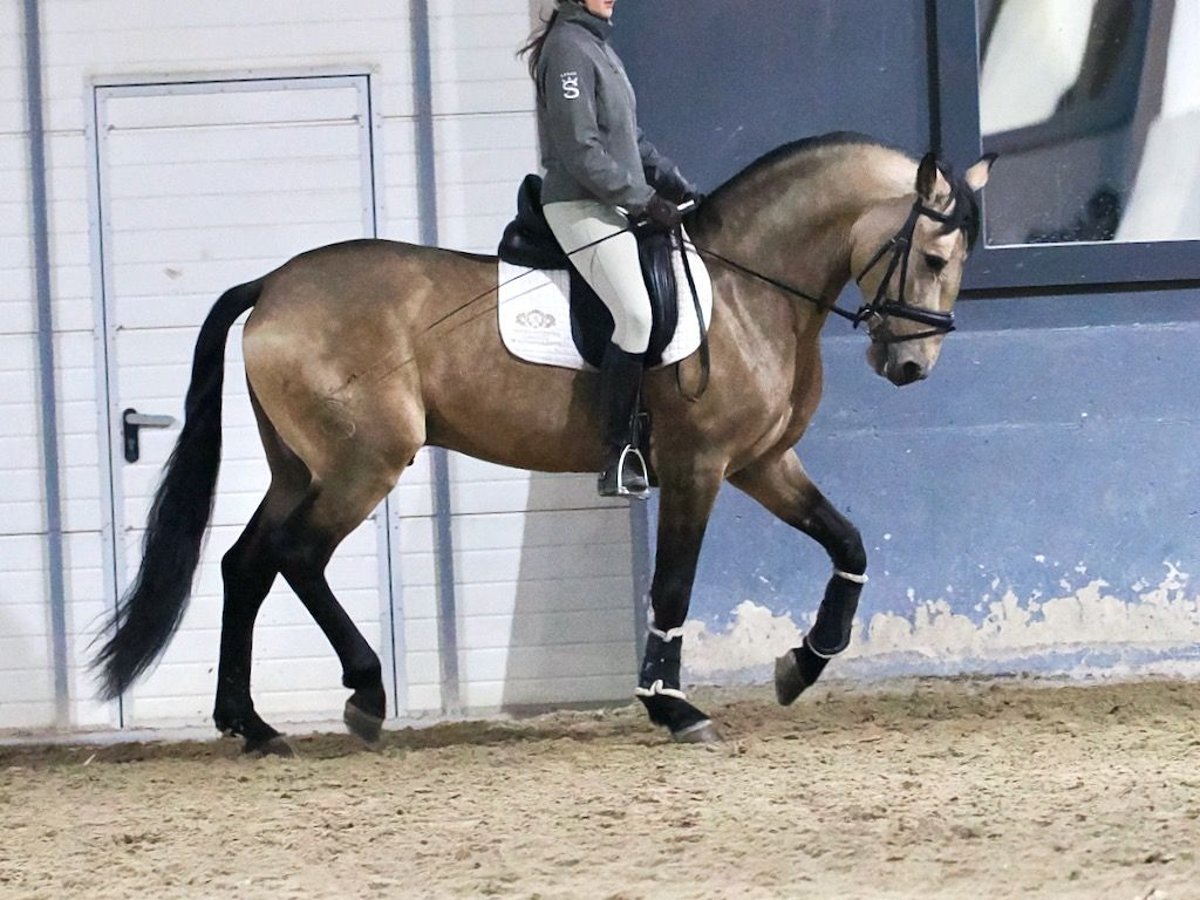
(611,267)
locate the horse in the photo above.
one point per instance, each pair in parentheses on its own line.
(359,353)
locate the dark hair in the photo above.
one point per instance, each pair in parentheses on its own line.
(533,45)
(965,212)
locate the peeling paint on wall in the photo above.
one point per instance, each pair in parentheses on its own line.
(1089,630)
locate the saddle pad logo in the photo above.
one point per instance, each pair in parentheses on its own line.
(570,85)
(535,319)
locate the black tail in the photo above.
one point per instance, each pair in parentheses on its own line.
(153,606)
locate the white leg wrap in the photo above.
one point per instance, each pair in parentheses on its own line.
(669,635)
(850,576)
(657,689)
(815,651)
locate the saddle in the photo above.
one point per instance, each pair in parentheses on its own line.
(529,242)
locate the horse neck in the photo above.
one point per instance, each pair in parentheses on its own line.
(794,221)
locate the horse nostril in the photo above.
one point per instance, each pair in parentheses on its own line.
(910,372)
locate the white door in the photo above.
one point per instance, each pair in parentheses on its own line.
(204,186)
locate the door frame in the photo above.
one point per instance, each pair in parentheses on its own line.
(98,91)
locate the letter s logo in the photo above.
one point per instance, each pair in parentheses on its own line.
(570,85)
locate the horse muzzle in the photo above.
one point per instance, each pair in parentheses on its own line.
(897,365)
(906,372)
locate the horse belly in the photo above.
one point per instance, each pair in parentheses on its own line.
(483,402)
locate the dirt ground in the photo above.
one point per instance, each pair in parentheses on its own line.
(957,789)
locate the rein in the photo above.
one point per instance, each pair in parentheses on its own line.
(896,250)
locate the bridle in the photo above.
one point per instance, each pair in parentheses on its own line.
(896,250)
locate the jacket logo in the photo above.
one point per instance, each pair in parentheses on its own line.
(570,85)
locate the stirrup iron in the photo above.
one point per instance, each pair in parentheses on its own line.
(636,454)
(633,454)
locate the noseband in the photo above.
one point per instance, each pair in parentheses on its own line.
(897,251)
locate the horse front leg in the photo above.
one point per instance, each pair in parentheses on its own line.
(685,505)
(782,486)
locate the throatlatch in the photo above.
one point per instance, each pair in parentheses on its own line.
(801,666)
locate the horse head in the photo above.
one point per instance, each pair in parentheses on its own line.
(909,255)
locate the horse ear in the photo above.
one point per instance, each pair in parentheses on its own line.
(927,174)
(977,176)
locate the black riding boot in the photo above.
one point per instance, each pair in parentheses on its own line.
(624,472)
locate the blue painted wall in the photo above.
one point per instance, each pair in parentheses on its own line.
(1035,505)
(719,83)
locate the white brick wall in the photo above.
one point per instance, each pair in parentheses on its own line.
(26,668)
(544,597)
(530,600)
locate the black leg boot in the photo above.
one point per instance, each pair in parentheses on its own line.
(624,472)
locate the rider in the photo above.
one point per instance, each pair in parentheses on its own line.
(600,174)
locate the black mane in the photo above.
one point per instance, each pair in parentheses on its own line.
(964,214)
(808,144)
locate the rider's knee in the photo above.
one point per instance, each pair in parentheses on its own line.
(633,331)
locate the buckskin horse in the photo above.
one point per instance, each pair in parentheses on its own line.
(358,354)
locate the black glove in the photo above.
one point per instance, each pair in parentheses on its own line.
(672,185)
(661,214)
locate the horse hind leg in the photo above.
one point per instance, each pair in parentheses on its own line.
(782,486)
(248,571)
(303,546)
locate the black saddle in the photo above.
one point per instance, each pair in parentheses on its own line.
(528,241)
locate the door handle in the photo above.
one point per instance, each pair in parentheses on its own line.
(132,422)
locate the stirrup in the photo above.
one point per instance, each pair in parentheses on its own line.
(616,485)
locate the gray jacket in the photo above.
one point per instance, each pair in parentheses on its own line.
(592,147)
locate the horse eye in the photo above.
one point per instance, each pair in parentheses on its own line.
(935,263)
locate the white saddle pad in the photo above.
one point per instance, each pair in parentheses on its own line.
(535,314)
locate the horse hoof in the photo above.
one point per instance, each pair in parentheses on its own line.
(362,724)
(789,683)
(274,746)
(703,732)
